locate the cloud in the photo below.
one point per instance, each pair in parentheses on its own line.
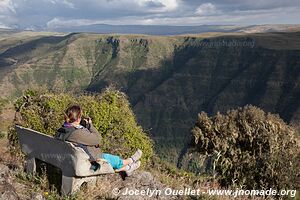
(170,5)
(3,26)
(8,14)
(7,7)
(66,3)
(158,5)
(236,17)
(154,4)
(54,13)
(206,9)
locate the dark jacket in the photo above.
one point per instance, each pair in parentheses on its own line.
(88,139)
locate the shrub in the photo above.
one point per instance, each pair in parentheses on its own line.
(110,112)
(252,149)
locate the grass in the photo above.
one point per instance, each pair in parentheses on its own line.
(38,184)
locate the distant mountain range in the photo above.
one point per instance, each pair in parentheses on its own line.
(148,30)
(169,79)
(162,30)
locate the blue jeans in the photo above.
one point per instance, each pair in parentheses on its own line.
(115,161)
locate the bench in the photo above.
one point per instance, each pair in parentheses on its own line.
(71,160)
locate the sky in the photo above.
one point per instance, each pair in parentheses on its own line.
(51,14)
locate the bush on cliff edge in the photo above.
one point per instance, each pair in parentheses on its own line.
(251,149)
(110,112)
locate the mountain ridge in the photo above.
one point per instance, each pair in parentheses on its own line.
(169,80)
(162,29)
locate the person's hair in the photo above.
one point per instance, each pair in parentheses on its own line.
(73,113)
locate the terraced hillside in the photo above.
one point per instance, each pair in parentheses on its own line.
(168,79)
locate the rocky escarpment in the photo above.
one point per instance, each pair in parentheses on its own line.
(211,75)
(168,79)
(141,185)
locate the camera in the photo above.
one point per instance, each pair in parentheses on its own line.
(85,122)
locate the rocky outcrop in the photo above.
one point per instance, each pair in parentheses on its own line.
(141,185)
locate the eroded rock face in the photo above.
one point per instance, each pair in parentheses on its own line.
(141,185)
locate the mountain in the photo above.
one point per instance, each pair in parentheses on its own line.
(162,29)
(147,29)
(169,79)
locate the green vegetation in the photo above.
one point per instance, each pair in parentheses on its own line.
(110,112)
(105,51)
(250,149)
(111,115)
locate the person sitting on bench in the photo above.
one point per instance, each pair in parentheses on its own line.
(82,133)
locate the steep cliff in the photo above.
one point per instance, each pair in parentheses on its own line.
(168,79)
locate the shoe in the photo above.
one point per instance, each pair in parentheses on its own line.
(132,167)
(137,155)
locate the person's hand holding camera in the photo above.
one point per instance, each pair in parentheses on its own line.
(86,122)
(89,120)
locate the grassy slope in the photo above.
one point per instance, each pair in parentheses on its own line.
(169,79)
